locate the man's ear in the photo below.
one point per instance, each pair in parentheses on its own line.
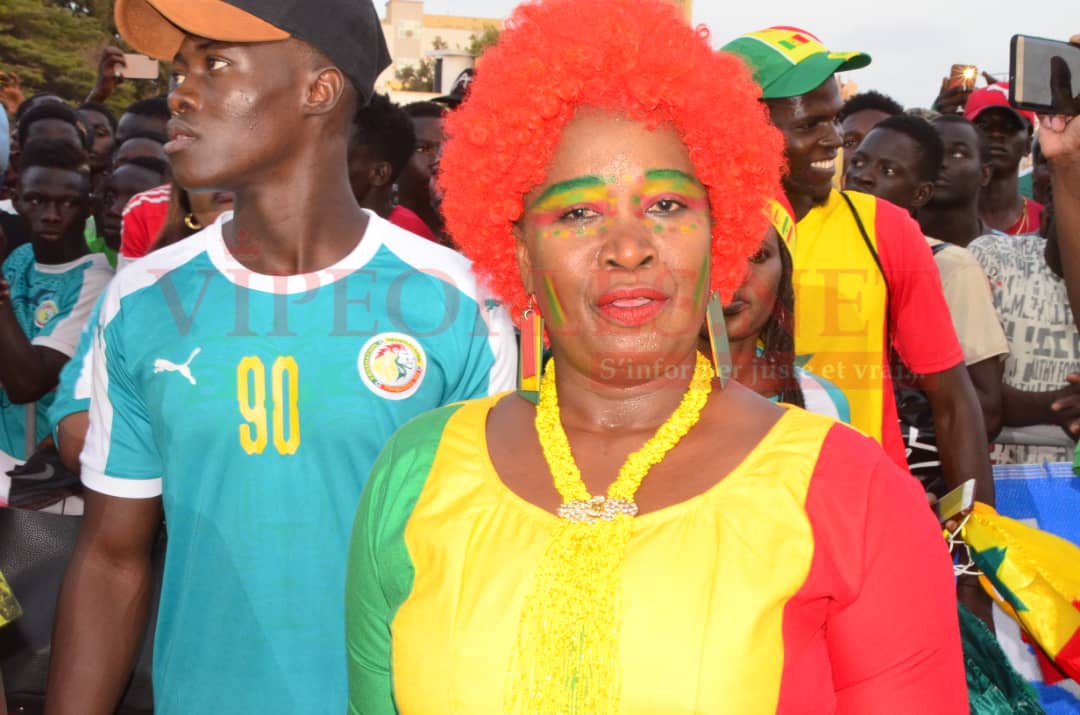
(325,91)
(380,173)
(923,193)
(987,173)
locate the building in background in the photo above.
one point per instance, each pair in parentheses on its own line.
(413,36)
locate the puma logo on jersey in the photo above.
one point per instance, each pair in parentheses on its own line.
(163,365)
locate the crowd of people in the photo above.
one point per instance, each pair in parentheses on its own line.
(279,316)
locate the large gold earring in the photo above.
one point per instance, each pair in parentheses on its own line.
(531,353)
(193,223)
(718,339)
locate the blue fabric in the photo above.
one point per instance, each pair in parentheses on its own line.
(42,302)
(1046,496)
(73,392)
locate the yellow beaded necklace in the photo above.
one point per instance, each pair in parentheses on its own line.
(567,651)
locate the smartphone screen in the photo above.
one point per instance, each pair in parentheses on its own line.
(139,67)
(963,76)
(956,501)
(1044,75)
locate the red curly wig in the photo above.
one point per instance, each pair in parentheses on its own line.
(635,57)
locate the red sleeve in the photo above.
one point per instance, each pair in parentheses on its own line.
(143,218)
(408,220)
(134,240)
(919,319)
(895,644)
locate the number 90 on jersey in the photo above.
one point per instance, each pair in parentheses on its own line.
(284,388)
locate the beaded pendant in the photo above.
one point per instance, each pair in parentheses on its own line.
(599,507)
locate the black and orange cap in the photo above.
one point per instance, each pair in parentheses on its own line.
(346,31)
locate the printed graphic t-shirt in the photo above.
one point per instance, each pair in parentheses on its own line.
(840,307)
(796,584)
(255,406)
(1044,345)
(51,303)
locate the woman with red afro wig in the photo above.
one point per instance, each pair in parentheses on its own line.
(632,533)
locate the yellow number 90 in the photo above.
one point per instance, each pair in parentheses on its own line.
(251,396)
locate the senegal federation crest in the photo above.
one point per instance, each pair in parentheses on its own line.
(392,365)
(45,312)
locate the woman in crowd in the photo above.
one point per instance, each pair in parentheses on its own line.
(760,324)
(740,557)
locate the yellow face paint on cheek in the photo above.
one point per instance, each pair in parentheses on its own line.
(562,231)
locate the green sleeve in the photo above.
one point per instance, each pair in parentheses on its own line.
(380,571)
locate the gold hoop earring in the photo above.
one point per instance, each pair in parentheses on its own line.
(193,223)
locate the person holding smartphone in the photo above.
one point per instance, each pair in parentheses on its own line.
(1059,139)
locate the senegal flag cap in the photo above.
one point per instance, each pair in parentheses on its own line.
(787,61)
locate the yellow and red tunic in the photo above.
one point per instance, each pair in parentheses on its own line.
(811,579)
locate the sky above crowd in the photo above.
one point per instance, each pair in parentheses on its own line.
(913,42)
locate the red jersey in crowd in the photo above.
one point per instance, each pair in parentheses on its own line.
(408,220)
(143,218)
(1029,221)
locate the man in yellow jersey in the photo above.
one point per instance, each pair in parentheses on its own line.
(865,280)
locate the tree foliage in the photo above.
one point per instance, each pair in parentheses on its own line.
(479,43)
(419,78)
(54,46)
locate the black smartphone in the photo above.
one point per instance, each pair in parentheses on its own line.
(1044,75)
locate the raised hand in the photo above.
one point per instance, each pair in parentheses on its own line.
(951,99)
(110,73)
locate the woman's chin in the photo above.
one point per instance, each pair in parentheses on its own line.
(627,360)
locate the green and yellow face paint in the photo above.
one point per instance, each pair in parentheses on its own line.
(600,195)
(581,192)
(673,184)
(556,312)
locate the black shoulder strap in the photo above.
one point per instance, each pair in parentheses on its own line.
(938,248)
(877,261)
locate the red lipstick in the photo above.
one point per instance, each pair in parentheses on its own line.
(632,307)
